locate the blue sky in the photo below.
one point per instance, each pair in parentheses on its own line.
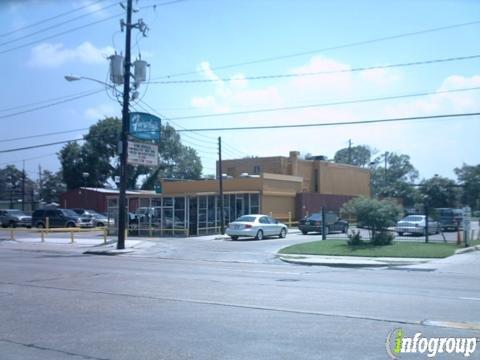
(199,36)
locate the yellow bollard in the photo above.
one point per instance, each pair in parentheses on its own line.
(126,234)
(42,235)
(289,219)
(105,235)
(12,234)
(72,239)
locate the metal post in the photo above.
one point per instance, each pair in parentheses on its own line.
(23,187)
(324,236)
(124,136)
(220,180)
(426,224)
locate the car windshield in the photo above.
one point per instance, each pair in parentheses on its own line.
(69,212)
(246,219)
(413,218)
(316,217)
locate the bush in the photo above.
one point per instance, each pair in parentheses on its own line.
(376,215)
(354,238)
(382,238)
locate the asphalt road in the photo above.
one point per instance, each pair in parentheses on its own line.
(215,299)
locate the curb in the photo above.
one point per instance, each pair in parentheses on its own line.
(467,249)
(112,252)
(350,261)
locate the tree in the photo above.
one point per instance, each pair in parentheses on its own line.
(13,187)
(395,180)
(469,177)
(98,157)
(440,192)
(376,215)
(51,185)
(359,155)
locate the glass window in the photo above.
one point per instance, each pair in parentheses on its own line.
(167,202)
(263,220)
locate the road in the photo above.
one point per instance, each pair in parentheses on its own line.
(214,299)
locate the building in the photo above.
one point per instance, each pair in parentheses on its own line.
(286,188)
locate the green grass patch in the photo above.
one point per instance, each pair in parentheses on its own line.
(397,249)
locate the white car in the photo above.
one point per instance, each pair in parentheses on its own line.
(257,226)
(415,224)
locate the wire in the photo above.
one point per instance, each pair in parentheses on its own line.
(55,26)
(343,46)
(335,123)
(51,18)
(341,123)
(43,135)
(253,111)
(44,101)
(32,158)
(50,105)
(316,73)
(344,102)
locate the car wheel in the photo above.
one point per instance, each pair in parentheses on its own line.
(304,232)
(100,224)
(400,233)
(40,225)
(259,235)
(4,225)
(70,225)
(234,237)
(283,233)
(345,229)
(12,224)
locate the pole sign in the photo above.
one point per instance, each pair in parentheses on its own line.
(144,126)
(142,154)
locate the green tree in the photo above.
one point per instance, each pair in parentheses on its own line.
(469,177)
(359,155)
(12,185)
(98,157)
(393,176)
(441,192)
(51,185)
(376,215)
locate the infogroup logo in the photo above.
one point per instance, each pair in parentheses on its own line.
(397,343)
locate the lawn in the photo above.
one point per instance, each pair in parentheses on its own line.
(397,249)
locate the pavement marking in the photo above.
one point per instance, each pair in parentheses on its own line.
(452,324)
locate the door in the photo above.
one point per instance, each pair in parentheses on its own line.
(193,216)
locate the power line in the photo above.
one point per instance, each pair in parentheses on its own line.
(51,18)
(242,112)
(344,102)
(362,122)
(343,46)
(49,105)
(26,36)
(316,73)
(341,123)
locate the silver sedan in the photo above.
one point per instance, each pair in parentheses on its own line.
(257,226)
(416,225)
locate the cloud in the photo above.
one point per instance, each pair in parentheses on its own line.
(101,111)
(380,77)
(55,55)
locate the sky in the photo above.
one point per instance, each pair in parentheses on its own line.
(251,56)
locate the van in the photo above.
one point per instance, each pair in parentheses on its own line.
(59,218)
(449,218)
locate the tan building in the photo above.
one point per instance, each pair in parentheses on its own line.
(280,186)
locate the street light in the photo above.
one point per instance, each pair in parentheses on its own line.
(122,213)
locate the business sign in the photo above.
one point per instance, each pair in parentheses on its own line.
(144,126)
(142,154)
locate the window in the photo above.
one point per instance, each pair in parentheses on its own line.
(256,169)
(264,220)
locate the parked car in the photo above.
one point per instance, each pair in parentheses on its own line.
(59,218)
(97,218)
(415,224)
(14,218)
(257,226)
(449,218)
(313,222)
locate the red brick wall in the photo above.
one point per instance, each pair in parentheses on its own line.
(313,202)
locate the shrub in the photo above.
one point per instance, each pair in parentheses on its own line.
(376,215)
(354,238)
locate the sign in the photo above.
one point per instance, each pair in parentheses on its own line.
(142,154)
(144,126)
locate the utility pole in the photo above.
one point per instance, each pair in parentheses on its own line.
(220,180)
(122,215)
(23,186)
(350,151)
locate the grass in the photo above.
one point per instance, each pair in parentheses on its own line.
(397,249)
